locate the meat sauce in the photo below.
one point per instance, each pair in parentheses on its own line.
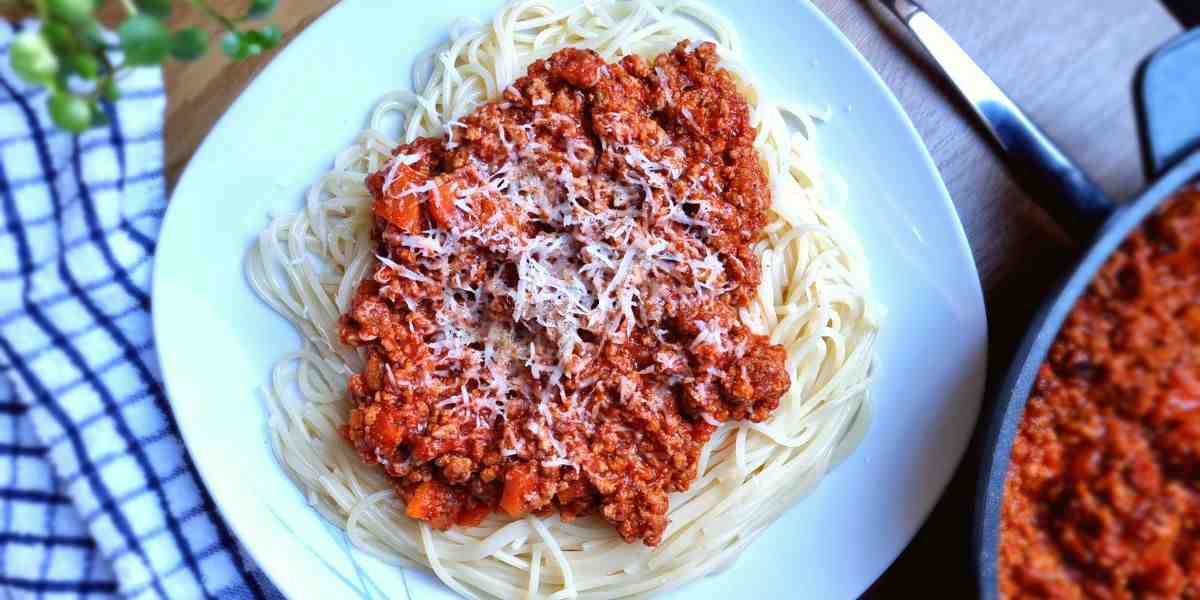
(1103,496)
(552,323)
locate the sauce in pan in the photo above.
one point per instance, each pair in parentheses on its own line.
(1102,498)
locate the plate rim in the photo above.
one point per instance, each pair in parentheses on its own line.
(289,585)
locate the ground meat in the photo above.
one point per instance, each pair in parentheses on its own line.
(1102,498)
(552,321)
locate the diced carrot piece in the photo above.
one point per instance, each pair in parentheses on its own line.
(517,484)
(489,206)
(383,430)
(404,213)
(421,504)
(435,503)
(403,177)
(441,203)
(470,517)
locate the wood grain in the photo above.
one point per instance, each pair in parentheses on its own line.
(199,92)
(1069,63)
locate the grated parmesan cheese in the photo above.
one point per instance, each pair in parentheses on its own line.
(610,253)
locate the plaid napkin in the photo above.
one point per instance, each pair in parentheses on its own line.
(97,495)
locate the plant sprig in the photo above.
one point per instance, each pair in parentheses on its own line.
(71,53)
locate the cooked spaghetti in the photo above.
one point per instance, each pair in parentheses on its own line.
(593,287)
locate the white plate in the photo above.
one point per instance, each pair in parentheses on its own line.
(216,341)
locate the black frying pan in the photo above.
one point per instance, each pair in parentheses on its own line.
(1167,94)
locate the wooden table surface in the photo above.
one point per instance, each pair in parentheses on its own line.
(1069,63)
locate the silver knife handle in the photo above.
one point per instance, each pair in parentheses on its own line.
(1044,171)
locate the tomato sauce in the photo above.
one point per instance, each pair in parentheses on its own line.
(552,322)
(1102,498)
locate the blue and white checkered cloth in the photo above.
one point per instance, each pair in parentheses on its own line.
(97,496)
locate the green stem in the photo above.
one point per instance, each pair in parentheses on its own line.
(94,95)
(225,22)
(108,66)
(129,7)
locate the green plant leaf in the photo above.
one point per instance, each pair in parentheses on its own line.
(234,45)
(32,58)
(155,8)
(260,8)
(74,12)
(70,112)
(86,65)
(270,36)
(93,34)
(59,36)
(145,40)
(189,44)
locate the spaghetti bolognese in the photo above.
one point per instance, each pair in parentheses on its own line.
(594,277)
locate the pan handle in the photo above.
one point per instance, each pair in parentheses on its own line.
(1167,95)
(1187,12)
(1044,171)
